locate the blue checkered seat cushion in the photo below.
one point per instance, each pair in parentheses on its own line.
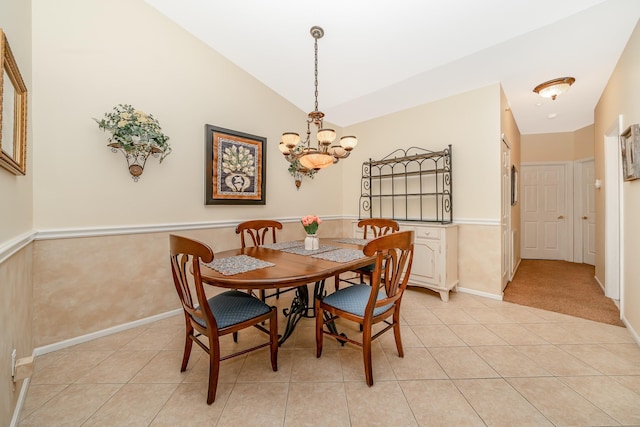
(354,299)
(232,307)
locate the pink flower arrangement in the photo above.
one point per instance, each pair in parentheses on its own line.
(311,223)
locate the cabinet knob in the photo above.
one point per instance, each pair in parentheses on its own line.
(561,217)
(585,217)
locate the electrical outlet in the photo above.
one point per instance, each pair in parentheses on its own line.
(13,363)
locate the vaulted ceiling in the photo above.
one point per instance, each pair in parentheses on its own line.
(382,56)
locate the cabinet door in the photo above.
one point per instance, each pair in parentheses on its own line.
(426,254)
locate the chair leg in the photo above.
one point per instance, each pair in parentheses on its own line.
(273,336)
(188,344)
(366,355)
(319,326)
(396,333)
(214,369)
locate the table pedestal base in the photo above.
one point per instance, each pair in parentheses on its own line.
(302,307)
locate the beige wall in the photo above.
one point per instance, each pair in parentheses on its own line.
(16,199)
(620,97)
(124,51)
(558,147)
(470,122)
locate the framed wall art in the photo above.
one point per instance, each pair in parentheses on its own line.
(235,170)
(13,112)
(630,150)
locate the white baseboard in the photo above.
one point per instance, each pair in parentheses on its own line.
(479,293)
(633,333)
(104,332)
(599,283)
(20,403)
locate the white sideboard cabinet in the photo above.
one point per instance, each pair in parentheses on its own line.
(435,256)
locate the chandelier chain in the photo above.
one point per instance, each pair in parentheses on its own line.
(316,72)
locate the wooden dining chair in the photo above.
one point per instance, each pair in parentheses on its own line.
(372,228)
(257,233)
(207,319)
(368,305)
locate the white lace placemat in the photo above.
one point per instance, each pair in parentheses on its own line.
(237,264)
(341,255)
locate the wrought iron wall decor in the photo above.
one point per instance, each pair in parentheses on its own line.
(136,134)
(408,185)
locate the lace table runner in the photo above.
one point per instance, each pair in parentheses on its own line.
(353,241)
(284,245)
(300,250)
(341,255)
(237,264)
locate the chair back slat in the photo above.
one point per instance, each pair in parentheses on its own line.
(394,256)
(184,253)
(377,227)
(258,231)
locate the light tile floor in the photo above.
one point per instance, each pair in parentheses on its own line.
(470,361)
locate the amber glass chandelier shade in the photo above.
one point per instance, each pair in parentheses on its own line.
(326,136)
(290,139)
(283,148)
(348,142)
(316,160)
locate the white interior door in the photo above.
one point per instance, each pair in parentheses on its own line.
(544,212)
(588,216)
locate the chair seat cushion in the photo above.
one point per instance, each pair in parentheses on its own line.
(353,299)
(232,307)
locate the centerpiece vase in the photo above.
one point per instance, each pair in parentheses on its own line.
(311,242)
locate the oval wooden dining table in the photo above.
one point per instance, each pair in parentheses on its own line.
(289,269)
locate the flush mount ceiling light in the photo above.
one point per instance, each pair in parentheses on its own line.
(301,154)
(554,87)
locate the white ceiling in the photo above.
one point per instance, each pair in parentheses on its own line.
(382,56)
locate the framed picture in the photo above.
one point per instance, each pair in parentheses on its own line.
(13,112)
(235,172)
(630,150)
(514,185)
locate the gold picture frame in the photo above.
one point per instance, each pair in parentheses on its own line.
(13,112)
(630,150)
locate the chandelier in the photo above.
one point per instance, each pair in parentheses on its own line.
(303,156)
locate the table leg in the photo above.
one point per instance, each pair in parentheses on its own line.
(299,309)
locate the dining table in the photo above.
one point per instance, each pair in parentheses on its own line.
(287,264)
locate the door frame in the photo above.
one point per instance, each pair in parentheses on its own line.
(613,215)
(577,203)
(568,177)
(507,256)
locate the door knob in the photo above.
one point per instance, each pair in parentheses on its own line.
(584,217)
(561,217)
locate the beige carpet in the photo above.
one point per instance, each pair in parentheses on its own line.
(563,287)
